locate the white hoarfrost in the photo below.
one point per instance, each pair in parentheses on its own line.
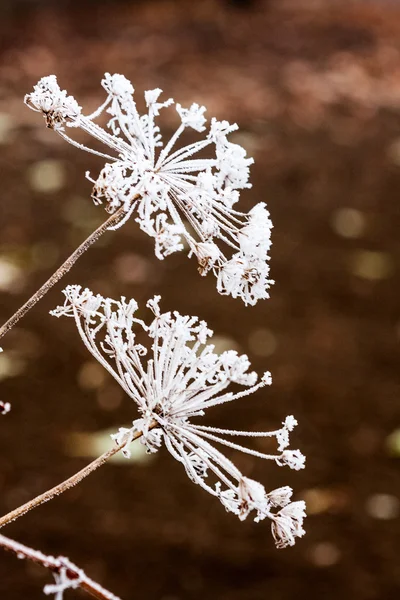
(173,375)
(63,581)
(66,574)
(5,407)
(173,196)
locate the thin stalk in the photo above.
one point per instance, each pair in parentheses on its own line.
(62,487)
(56,566)
(63,270)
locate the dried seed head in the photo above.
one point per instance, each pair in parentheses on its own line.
(173,195)
(174,378)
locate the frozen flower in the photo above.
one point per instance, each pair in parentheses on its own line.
(168,184)
(292,458)
(117,85)
(280,496)
(173,378)
(283,438)
(282,435)
(245,277)
(57,108)
(192,117)
(290,423)
(207,255)
(252,496)
(167,236)
(287,524)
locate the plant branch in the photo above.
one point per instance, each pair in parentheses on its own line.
(64,486)
(63,270)
(70,576)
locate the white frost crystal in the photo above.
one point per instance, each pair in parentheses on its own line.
(172,195)
(63,580)
(56,106)
(5,407)
(174,378)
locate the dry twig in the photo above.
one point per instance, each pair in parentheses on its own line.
(64,486)
(67,574)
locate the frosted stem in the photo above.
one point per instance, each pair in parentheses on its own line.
(63,270)
(62,487)
(55,565)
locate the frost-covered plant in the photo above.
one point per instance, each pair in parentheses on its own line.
(175,198)
(66,574)
(181,198)
(175,377)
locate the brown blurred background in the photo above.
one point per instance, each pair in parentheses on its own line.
(315,87)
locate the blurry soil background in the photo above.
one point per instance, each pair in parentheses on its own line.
(315,87)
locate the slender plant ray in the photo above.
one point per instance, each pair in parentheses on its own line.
(62,270)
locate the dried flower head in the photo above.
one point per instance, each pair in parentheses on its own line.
(174,378)
(175,198)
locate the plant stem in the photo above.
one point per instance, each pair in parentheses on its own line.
(73,574)
(62,487)
(65,267)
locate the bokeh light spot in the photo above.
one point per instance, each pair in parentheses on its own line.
(348,222)
(371,265)
(47,176)
(262,342)
(91,376)
(383,506)
(324,554)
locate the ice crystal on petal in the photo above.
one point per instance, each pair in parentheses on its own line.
(173,378)
(173,194)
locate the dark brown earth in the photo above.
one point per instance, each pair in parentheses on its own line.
(315,87)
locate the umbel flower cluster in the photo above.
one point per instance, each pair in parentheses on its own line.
(173,375)
(180,200)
